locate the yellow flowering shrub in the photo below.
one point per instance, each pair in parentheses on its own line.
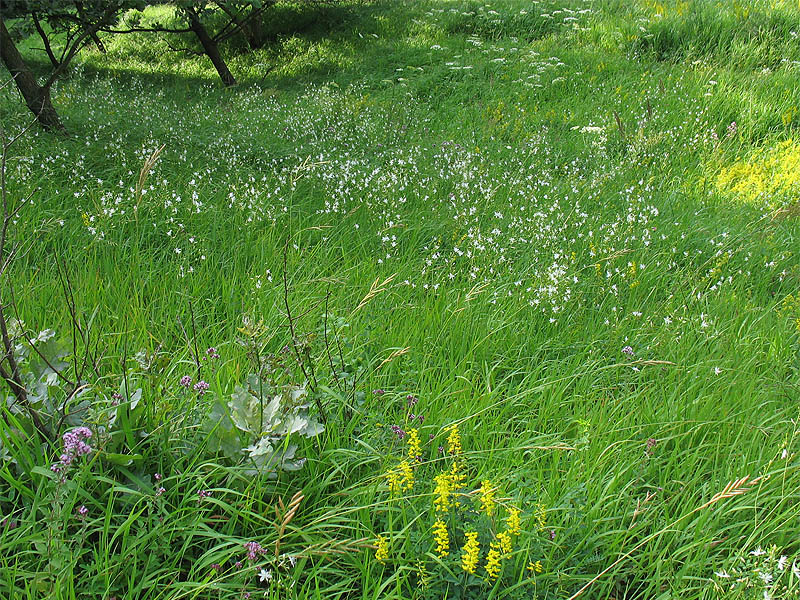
(441,502)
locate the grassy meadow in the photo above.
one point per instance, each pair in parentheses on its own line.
(446,299)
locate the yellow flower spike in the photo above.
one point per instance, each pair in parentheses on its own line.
(535,567)
(513,524)
(443,491)
(471,554)
(400,478)
(457,476)
(442,538)
(504,542)
(540,516)
(407,480)
(487,497)
(453,440)
(414,445)
(422,575)
(382,549)
(493,562)
(393,481)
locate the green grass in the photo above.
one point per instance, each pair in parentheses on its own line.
(471,151)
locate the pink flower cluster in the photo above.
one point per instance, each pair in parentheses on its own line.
(74,446)
(254,550)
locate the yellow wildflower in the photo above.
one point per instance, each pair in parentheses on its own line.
(414,445)
(442,538)
(393,481)
(381,549)
(540,516)
(471,555)
(443,491)
(453,440)
(487,497)
(457,476)
(535,567)
(422,575)
(513,525)
(401,478)
(493,562)
(504,541)
(407,482)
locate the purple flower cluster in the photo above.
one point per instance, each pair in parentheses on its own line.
(74,446)
(398,431)
(201,387)
(254,550)
(627,350)
(203,494)
(211,353)
(186,381)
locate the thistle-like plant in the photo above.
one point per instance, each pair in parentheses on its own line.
(264,424)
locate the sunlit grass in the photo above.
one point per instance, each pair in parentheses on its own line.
(529,217)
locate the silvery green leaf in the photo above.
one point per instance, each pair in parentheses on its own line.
(44,335)
(295,423)
(55,352)
(219,416)
(135,397)
(297,394)
(141,358)
(272,412)
(239,405)
(255,382)
(260,448)
(313,428)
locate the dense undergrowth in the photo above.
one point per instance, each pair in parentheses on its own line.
(443,300)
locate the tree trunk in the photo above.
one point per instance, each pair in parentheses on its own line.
(36,97)
(254,32)
(97,41)
(211,49)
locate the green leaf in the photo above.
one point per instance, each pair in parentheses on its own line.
(122,459)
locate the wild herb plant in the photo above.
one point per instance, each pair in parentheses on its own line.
(449,534)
